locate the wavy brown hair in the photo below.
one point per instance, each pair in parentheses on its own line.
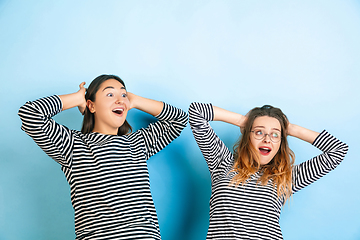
(247,158)
(89,118)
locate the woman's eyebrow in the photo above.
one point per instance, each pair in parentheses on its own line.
(112,88)
(108,87)
(264,127)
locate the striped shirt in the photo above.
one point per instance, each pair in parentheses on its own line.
(108,175)
(251,211)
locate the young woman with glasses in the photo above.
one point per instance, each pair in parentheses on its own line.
(105,163)
(250,186)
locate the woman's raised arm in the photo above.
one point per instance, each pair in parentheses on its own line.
(223,115)
(76,99)
(302,133)
(147,105)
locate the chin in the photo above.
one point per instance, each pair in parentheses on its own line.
(265,161)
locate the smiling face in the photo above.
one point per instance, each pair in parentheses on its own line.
(110,107)
(268,126)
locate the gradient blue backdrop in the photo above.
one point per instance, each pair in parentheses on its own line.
(301,56)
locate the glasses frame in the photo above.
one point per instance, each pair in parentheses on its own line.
(253,131)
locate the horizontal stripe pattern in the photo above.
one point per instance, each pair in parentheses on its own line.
(251,211)
(108,175)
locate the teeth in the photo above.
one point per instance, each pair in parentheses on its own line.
(265,149)
(118,111)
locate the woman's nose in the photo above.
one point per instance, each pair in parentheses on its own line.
(266,138)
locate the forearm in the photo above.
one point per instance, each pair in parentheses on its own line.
(147,105)
(302,133)
(223,115)
(71,100)
(76,99)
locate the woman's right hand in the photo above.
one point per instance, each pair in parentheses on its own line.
(76,99)
(81,92)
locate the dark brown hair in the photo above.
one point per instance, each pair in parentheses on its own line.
(89,119)
(246,157)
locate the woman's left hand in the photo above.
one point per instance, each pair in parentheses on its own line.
(131,98)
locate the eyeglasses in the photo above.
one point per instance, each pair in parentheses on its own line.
(274,136)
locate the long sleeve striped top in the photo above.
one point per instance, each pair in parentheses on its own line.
(251,211)
(108,175)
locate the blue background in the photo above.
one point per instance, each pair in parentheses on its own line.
(301,56)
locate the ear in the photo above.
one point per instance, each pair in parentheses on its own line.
(91,105)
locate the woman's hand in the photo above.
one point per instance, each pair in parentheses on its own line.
(76,99)
(132,100)
(81,92)
(147,105)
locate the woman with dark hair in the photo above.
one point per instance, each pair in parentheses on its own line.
(104,163)
(250,186)
(89,117)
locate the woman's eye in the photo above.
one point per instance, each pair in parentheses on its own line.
(124,95)
(109,95)
(259,132)
(275,135)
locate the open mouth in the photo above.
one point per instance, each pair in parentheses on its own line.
(264,150)
(118,111)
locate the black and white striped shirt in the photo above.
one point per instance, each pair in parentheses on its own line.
(251,211)
(108,175)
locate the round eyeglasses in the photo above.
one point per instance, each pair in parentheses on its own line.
(274,136)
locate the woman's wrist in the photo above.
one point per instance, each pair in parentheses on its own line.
(76,99)
(227,116)
(242,121)
(302,133)
(290,129)
(132,99)
(147,105)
